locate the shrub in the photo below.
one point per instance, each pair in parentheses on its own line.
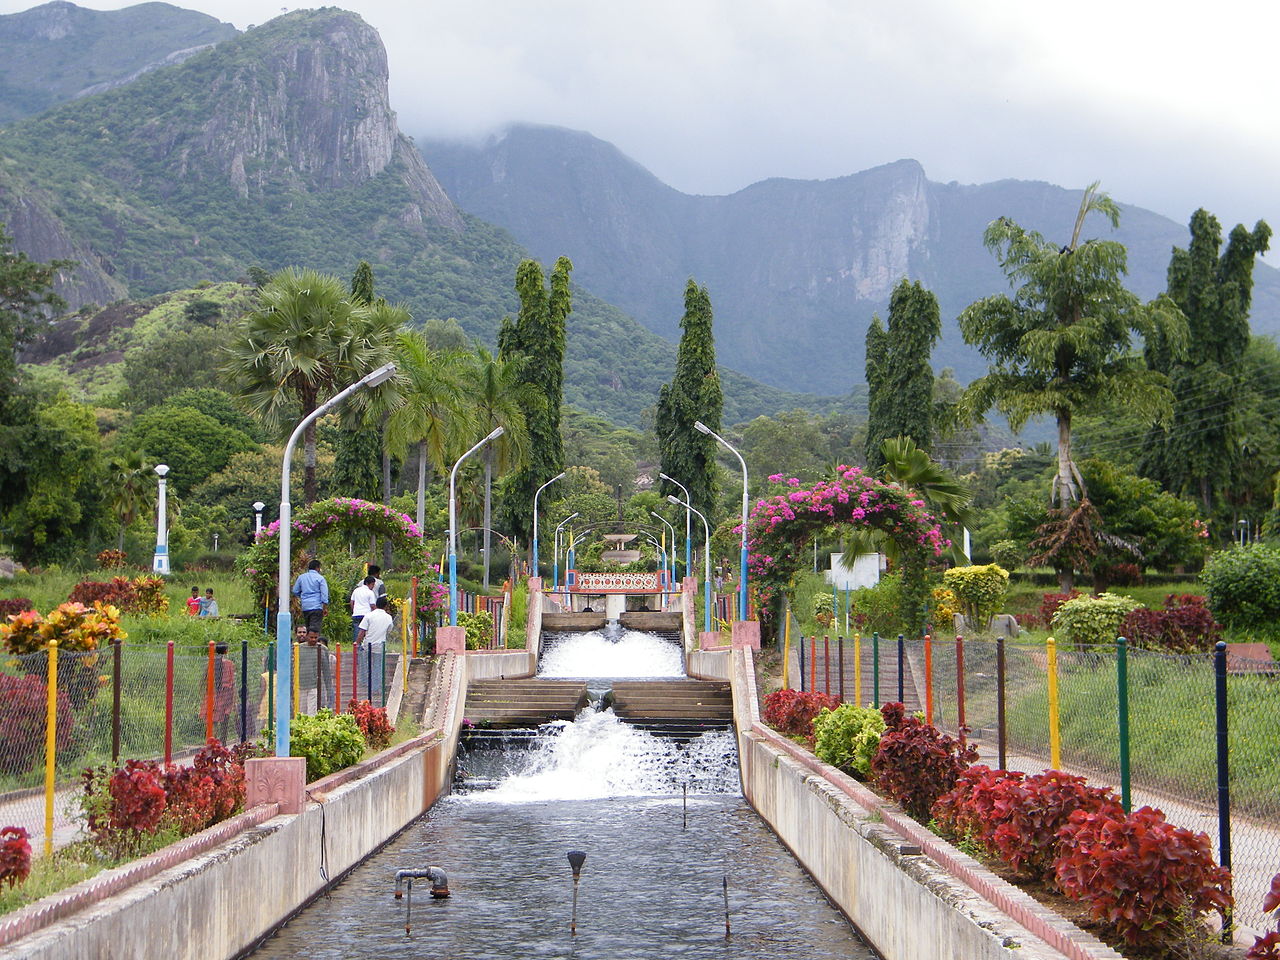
(962,811)
(792,712)
(1050,602)
(1242,585)
(122,805)
(14,605)
(516,639)
(149,595)
(479,627)
(824,609)
(118,591)
(111,559)
(1093,620)
(23,706)
(878,608)
(1118,575)
(1267,947)
(945,607)
(847,737)
(15,855)
(1185,625)
(1140,873)
(980,590)
(1008,554)
(915,762)
(373,723)
(328,742)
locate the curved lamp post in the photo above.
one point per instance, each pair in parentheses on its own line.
(742,583)
(662,561)
(706,562)
(453,525)
(284,619)
(671,558)
(688,542)
(555,575)
(160,562)
(535,518)
(258,507)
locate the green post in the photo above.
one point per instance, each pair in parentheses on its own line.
(875,669)
(271,684)
(384,675)
(1122,699)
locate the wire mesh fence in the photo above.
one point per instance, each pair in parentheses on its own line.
(1030,706)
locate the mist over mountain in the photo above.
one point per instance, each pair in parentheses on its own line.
(796,268)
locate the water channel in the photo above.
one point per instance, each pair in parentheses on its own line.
(653,885)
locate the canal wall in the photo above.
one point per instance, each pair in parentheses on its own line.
(216,894)
(914,896)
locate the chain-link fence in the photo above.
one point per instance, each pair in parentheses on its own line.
(1033,706)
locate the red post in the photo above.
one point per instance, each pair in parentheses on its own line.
(337,678)
(168,705)
(355,671)
(928,679)
(414,608)
(813,663)
(826,662)
(208,697)
(960,685)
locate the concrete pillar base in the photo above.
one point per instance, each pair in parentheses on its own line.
(708,639)
(281,780)
(746,633)
(451,640)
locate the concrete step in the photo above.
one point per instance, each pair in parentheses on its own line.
(523,703)
(672,700)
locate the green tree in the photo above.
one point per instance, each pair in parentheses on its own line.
(159,367)
(693,394)
(193,444)
(537,335)
(1064,343)
(26,300)
(1199,451)
(305,341)
(129,479)
(899,377)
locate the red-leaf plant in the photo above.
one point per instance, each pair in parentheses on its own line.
(916,763)
(1140,873)
(15,855)
(1267,946)
(791,711)
(373,723)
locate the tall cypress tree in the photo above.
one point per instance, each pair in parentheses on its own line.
(538,335)
(1199,452)
(358,452)
(899,375)
(693,394)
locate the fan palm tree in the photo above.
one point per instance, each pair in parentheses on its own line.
(303,342)
(130,485)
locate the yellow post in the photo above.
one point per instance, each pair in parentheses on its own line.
(50,745)
(1055,735)
(404,643)
(786,649)
(857,669)
(297,689)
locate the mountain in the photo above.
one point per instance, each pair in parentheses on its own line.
(277,147)
(795,268)
(59,51)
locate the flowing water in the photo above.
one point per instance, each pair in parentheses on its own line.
(663,826)
(594,655)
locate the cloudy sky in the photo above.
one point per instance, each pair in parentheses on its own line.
(1171,106)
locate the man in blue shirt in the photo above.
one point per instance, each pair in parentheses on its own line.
(312,591)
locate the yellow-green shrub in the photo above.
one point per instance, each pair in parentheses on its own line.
(980,591)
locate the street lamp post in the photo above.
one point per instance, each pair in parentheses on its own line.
(160,562)
(535,518)
(688,541)
(706,562)
(662,561)
(453,525)
(555,568)
(284,619)
(672,556)
(258,507)
(1243,524)
(742,582)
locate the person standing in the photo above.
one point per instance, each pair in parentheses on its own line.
(209,606)
(315,675)
(312,591)
(379,588)
(194,603)
(224,691)
(363,600)
(370,639)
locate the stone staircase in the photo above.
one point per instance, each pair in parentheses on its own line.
(659,703)
(523,703)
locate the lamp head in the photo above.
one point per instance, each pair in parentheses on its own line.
(701,427)
(676,500)
(497,432)
(162,469)
(381,375)
(576,859)
(259,506)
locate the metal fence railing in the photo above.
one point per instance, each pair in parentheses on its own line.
(1196,735)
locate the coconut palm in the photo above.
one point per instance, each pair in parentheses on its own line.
(130,476)
(303,342)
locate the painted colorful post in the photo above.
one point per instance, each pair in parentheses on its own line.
(271,684)
(1122,704)
(875,669)
(826,663)
(846,609)
(337,680)
(786,646)
(50,744)
(802,671)
(928,679)
(1224,779)
(902,655)
(1055,732)
(208,695)
(244,689)
(168,704)
(404,649)
(857,669)
(115,700)
(813,663)
(1002,742)
(840,654)
(355,670)
(960,687)
(383,668)
(414,608)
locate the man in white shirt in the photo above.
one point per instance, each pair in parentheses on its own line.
(363,599)
(370,637)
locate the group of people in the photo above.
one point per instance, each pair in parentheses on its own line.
(198,606)
(371,623)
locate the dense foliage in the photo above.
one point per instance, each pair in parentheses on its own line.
(980,591)
(373,723)
(1090,621)
(1183,625)
(1242,585)
(847,737)
(328,742)
(916,763)
(793,711)
(899,375)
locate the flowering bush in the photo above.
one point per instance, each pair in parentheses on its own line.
(824,609)
(111,559)
(144,594)
(23,705)
(1140,873)
(945,607)
(432,598)
(1185,625)
(792,712)
(15,855)
(373,723)
(916,763)
(1090,621)
(1267,946)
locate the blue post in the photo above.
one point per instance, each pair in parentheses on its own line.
(453,589)
(706,603)
(1224,778)
(1122,704)
(743,611)
(688,555)
(284,679)
(555,574)
(568,567)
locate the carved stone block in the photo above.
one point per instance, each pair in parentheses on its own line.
(451,639)
(281,780)
(746,633)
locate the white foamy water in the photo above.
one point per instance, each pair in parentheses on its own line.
(587,655)
(598,756)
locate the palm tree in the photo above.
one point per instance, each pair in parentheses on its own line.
(499,397)
(130,481)
(303,342)
(431,413)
